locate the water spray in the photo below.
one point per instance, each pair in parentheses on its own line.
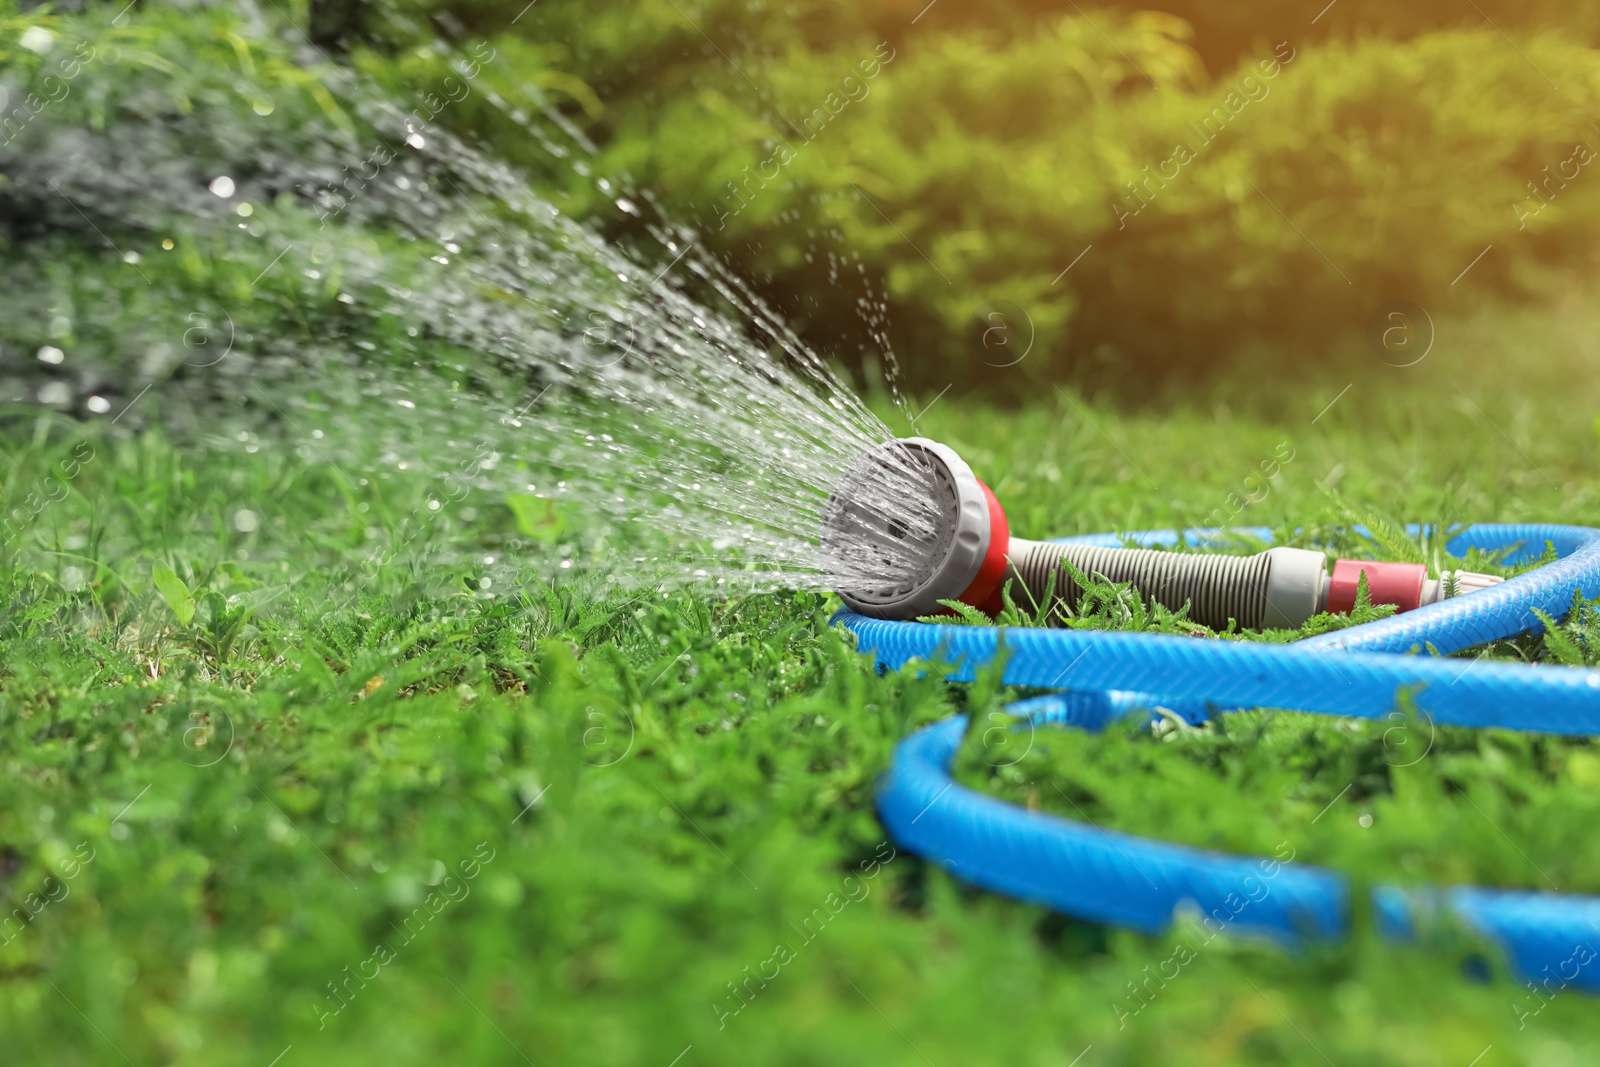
(936,533)
(909,525)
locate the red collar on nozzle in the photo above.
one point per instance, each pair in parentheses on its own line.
(984,592)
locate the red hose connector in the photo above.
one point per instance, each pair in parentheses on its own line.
(1399,584)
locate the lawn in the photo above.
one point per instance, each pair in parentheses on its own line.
(310,756)
(282,806)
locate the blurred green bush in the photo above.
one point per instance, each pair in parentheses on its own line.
(923,176)
(1235,172)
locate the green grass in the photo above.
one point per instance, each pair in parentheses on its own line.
(257,710)
(652,792)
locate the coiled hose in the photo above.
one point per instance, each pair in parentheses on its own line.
(1117,878)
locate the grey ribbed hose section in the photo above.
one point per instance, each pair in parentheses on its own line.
(1216,588)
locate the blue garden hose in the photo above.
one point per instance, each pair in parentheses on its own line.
(1111,877)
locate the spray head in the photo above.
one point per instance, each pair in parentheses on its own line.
(909,525)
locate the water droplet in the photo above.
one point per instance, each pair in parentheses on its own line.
(246,521)
(406,404)
(1365,820)
(415,140)
(244,209)
(262,106)
(130,256)
(98,404)
(222,185)
(166,242)
(628,206)
(51,354)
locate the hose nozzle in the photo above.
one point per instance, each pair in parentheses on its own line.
(910,525)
